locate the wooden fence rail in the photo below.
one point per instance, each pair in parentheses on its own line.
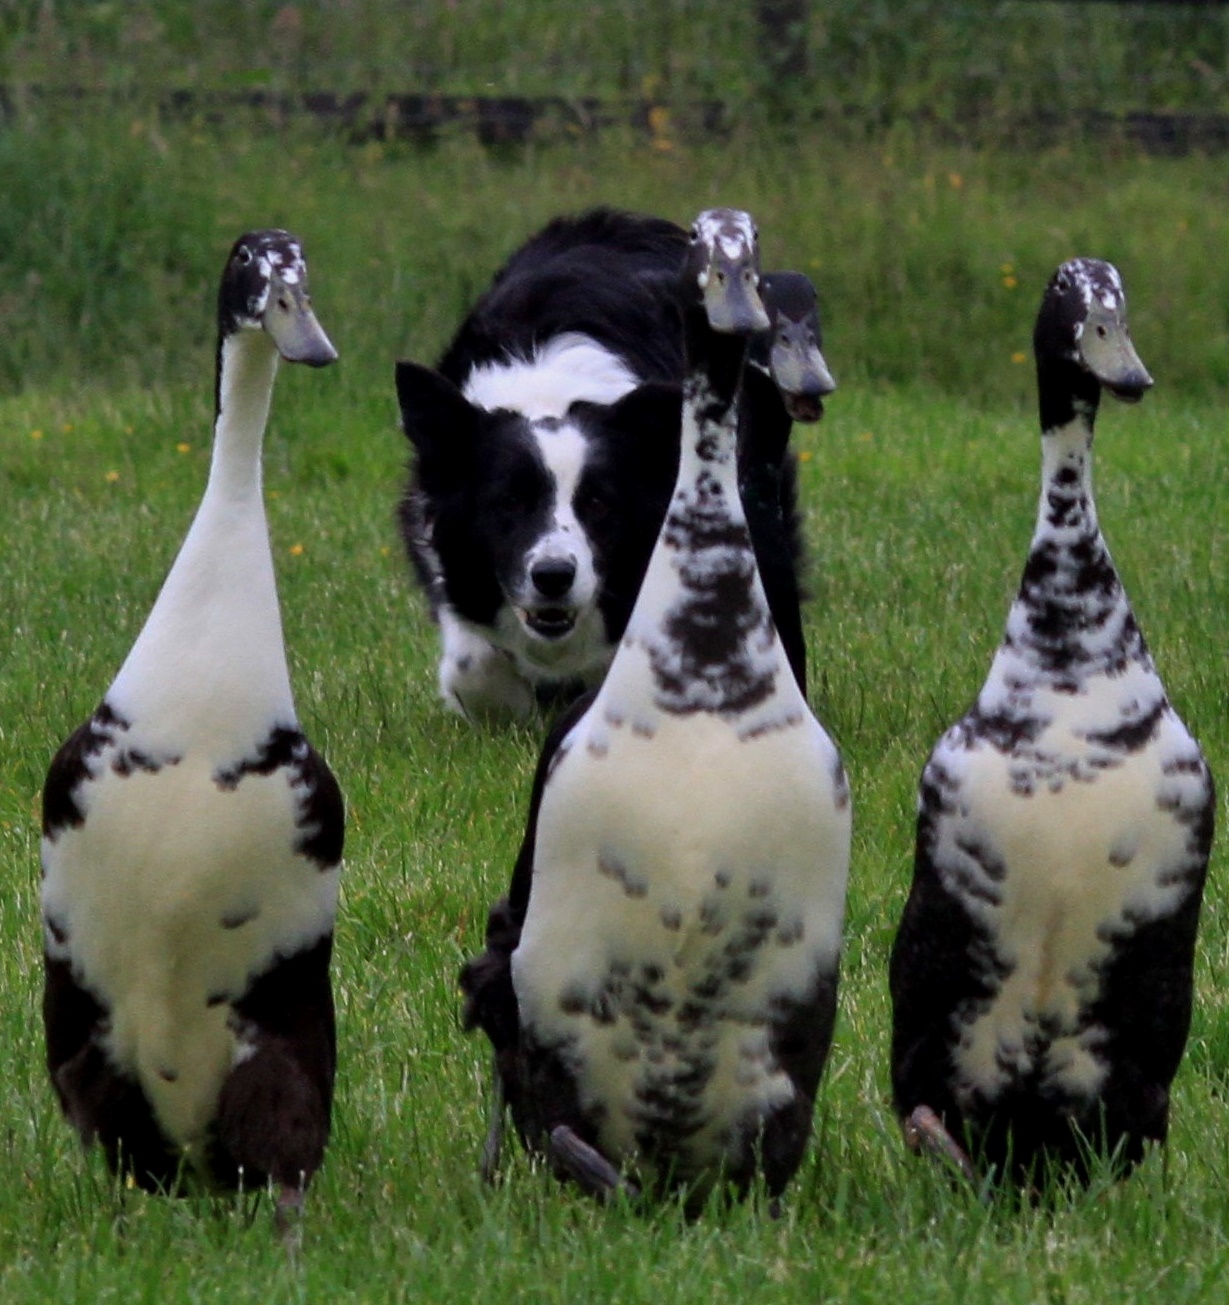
(507,120)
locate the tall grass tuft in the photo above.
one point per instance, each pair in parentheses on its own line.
(104,254)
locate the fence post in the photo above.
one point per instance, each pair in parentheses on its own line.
(781,38)
(781,27)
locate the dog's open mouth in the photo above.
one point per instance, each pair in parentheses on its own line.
(549,622)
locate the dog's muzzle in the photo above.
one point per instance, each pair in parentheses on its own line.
(548,613)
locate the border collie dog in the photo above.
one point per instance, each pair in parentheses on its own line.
(545,450)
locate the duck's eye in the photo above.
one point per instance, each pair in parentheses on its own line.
(244,255)
(695,234)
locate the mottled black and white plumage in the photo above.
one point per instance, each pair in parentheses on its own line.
(192,837)
(660,984)
(1041,977)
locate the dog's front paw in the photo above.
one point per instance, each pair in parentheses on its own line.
(485,687)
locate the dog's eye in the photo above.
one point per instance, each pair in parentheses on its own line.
(593,508)
(507,506)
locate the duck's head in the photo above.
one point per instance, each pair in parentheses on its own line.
(721,273)
(264,288)
(1083,320)
(790,351)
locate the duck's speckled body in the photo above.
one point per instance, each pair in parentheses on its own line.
(1041,977)
(660,984)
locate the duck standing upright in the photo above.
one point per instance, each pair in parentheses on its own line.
(192,837)
(787,380)
(660,984)
(1041,978)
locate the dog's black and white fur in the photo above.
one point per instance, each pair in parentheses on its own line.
(546,448)
(542,466)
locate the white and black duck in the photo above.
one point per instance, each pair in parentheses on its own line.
(660,984)
(787,380)
(1042,975)
(192,837)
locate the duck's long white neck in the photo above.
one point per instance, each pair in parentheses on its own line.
(210,661)
(1071,618)
(1066,508)
(247,366)
(705,519)
(701,639)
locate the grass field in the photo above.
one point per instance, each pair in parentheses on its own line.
(920,488)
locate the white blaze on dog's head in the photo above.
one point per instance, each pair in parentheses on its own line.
(560,576)
(566,369)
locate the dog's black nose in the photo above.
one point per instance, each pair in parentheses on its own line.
(553,577)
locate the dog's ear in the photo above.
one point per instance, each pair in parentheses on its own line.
(438,420)
(650,415)
(652,411)
(645,425)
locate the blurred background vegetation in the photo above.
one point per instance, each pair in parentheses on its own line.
(879,58)
(927,163)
